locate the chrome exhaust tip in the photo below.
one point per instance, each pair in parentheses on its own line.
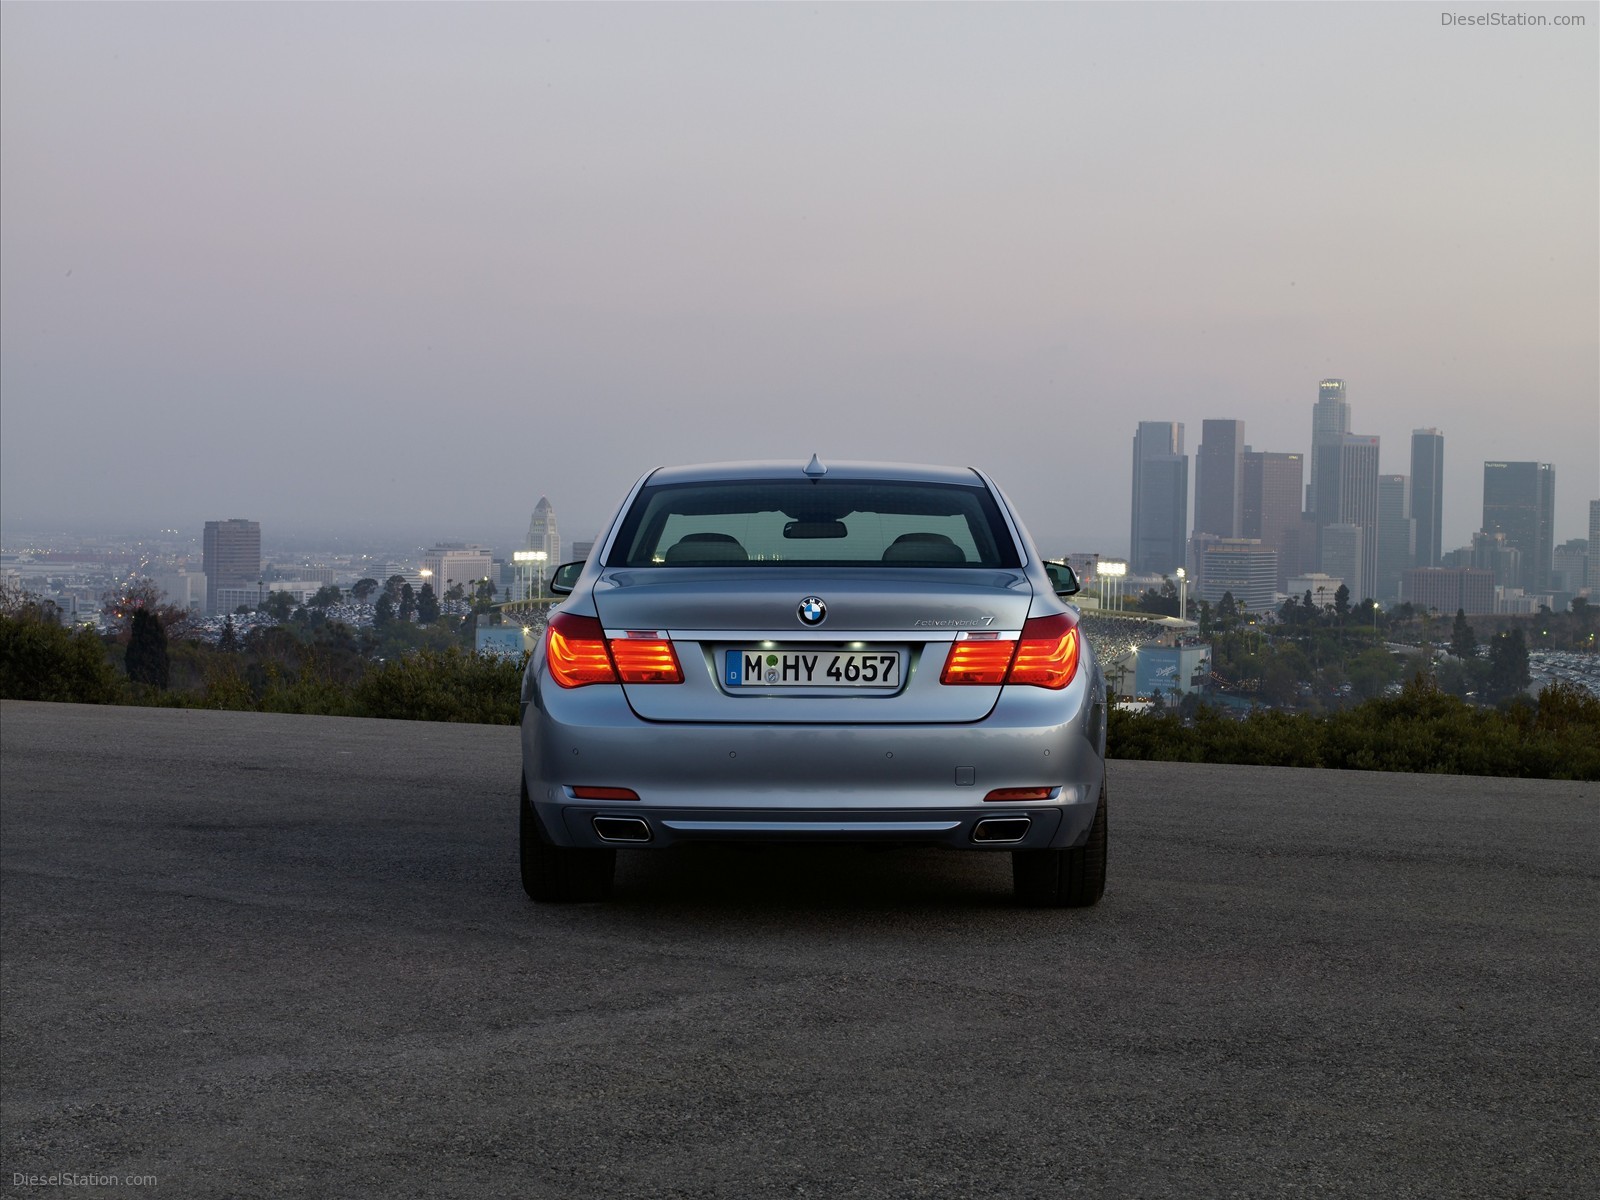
(622,829)
(1001,829)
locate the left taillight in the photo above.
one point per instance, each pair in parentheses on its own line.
(1046,655)
(578,653)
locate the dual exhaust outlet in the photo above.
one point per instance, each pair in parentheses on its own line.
(635,830)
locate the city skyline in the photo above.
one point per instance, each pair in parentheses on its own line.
(401,268)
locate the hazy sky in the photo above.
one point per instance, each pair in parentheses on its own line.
(408,267)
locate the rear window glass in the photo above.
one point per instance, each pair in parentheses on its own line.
(840,523)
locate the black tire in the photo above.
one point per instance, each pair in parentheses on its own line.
(1071,878)
(561,873)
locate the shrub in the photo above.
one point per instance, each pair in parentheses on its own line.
(39,660)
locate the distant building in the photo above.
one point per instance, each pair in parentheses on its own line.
(1448,591)
(542,534)
(1397,536)
(581,550)
(183,589)
(1269,507)
(1344,555)
(231,552)
(1322,587)
(1519,500)
(1218,478)
(1347,494)
(1494,552)
(1594,548)
(1427,494)
(1330,421)
(1514,602)
(1244,567)
(1571,568)
(1159,538)
(451,563)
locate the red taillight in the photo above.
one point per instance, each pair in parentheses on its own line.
(646,659)
(604,793)
(1045,656)
(980,659)
(578,653)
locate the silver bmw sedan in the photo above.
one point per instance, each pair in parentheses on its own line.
(826,652)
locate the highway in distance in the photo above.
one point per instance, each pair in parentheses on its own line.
(271,955)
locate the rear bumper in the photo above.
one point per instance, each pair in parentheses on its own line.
(815,783)
(994,827)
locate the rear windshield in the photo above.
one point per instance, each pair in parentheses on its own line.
(844,523)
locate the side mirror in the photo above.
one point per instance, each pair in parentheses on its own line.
(564,578)
(1062,578)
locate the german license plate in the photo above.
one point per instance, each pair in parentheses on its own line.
(812,668)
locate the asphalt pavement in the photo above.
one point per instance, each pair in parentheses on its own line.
(261,955)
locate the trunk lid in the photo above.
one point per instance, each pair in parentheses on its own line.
(718,617)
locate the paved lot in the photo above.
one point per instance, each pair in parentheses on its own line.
(288,956)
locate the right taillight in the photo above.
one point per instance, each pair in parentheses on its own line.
(578,653)
(1046,655)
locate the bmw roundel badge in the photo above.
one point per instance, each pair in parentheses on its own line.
(813,611)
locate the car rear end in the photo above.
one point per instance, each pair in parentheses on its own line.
(864,653)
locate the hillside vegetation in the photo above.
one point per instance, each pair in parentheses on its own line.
(326,669)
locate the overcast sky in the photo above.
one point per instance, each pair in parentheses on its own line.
(405,268)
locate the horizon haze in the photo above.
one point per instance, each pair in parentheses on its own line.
(406,268)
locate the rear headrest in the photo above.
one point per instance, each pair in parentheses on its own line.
(706,548)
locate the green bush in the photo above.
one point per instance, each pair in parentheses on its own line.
(448,685)
(40,660)
(1422,730)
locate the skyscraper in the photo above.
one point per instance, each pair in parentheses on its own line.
(1347,494)
(1218,470)
(1519,500)
(1269,507)
(1427,494)
(231,556)
(1330,421)
(1594,551)
(1397,535)
(1160,499)
(542,534)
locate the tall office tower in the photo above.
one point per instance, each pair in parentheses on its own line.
(1347,494)
(542,534)
(1594,550)
(1269,506)
(1160,499)
(231,556)
(1397,535)
(1330,421)
(1427,494)
(1218,467)
(1519,500)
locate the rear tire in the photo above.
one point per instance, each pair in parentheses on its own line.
(1074,877)
(561,873)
